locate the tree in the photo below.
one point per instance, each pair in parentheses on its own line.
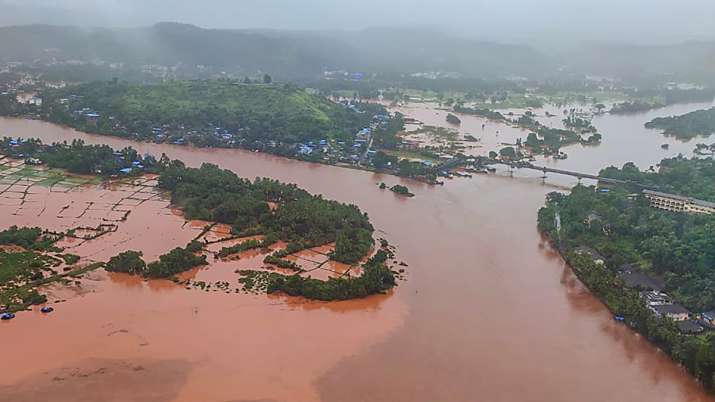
(129,262)
(267,79)
(507,153)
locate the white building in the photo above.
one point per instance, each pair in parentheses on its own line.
(678,203)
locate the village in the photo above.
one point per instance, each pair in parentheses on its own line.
(651,288)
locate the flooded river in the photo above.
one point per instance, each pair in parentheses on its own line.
(488,311)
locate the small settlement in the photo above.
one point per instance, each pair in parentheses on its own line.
(651,288)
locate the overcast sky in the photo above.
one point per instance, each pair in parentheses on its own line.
(508,20)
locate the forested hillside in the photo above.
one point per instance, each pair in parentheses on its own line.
(245,112)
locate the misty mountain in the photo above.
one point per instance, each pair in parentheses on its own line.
(684,61)
(288,54)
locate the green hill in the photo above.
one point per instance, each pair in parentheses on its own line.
(211,110)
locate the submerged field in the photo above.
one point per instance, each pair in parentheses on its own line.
(94,220)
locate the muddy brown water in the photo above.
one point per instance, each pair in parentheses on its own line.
(488,311)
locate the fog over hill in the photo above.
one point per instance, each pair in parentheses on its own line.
(288,54)
(546,21)
(292,54)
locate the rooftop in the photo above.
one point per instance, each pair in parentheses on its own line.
(671,309)
(690,327)
(695,201)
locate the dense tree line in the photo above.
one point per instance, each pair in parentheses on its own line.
(175,261)
(251,244)
(9,106)
(695,353)
(376,278)
(78,157)
(128,262)
(687,126)
(28,238)
(679,248)
(486,113)
(210,193)
(679,175)
(635,106)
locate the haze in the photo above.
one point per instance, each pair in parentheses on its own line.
(547,21)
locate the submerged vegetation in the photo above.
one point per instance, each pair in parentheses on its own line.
(401,190)
(376,278)
(175,261)
(28,259)
(274,210)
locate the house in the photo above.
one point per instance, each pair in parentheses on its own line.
(678,203)
(655,298)
(690,327)
(709,316)
(588,251)
(675,312)
(92,117)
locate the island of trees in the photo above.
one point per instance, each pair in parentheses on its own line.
(175,261)
(611,236)
(687,126)
(544,140)
(300,219)
(401,190)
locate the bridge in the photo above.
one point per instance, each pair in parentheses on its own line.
(578,175)
(483,161)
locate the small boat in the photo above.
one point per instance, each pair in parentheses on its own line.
(619,318)
(47,309)
(7,316)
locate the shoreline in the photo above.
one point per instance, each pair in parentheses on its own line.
(318,162)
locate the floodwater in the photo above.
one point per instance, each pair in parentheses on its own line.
(625,139)
(489,312)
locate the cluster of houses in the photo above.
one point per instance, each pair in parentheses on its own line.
(651,292)
(651,288)
(361,148)
(661,304)
(88,114)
